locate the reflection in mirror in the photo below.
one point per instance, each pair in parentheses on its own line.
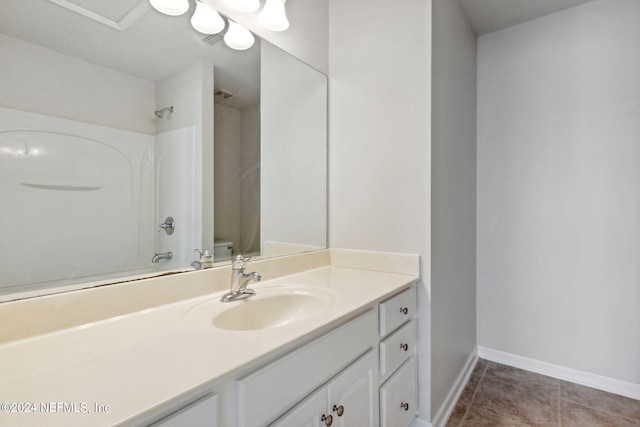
(114,117)
(236,174)
(294,117)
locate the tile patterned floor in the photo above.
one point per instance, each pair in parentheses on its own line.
(501,396)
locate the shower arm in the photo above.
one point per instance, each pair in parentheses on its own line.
(160,113)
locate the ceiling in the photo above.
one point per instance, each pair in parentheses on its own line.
(131,37)
(487,16)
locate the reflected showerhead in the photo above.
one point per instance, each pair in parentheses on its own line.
(160,113)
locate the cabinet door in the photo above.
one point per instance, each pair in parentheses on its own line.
(352,395)
(308,413)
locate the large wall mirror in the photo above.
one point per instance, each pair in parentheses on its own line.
(114,117)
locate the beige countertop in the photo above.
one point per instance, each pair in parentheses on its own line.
(137,362)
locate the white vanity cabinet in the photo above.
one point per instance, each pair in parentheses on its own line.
(201,413)
(380,388)
(352,395)
(398,372)
(311,412)
(360,374)
(266,394)
(348,400)
(398,396)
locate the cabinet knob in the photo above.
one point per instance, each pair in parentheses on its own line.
(404,347)
(338,409)
(327,419)
(405,406)
(404,310)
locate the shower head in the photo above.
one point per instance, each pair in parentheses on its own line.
(160,113)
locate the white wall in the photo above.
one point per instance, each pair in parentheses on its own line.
(44,81)
(559,189)
(379,138)
(453,197)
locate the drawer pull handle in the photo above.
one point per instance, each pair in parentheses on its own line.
(404,347)
(327,419)
(405,406)
(338,409)
(404,310)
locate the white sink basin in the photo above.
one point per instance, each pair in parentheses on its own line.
(271,307)
(269,312)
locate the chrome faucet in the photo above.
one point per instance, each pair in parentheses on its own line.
(206,259)
(162,255)
(240,280)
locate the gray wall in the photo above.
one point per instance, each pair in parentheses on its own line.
(559,189)
(453,199)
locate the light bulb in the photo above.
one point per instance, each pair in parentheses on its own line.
(273,16)
(237,37)
(206,20)
(244,5)
(170,7)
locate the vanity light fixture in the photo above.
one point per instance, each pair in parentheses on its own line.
(170,7)
(206,20)
(244,5)
(273,16)
(238,37)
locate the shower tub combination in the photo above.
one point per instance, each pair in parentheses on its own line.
(82,202)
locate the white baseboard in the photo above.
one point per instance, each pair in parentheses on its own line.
(449,404)
(588,379)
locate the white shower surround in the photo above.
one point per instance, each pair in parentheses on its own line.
(106,204)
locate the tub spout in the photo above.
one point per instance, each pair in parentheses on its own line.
(162,255)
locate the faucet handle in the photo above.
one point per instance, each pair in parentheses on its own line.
(206,257)
(240,262)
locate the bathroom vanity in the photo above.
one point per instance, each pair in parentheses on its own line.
(344,374)
(331,342)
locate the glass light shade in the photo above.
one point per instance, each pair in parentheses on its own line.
(273,16)
(170,7)
(238,37)
(206,20)
(244,5)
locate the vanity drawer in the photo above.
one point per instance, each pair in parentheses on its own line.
(397,310)
(398,396)
(397,348)
(269,392)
